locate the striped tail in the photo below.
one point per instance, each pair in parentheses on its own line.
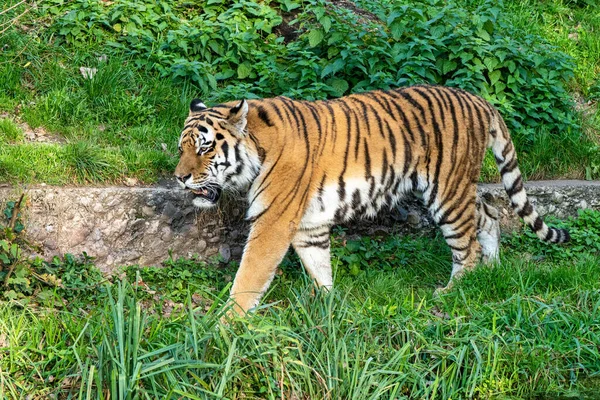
(506,159)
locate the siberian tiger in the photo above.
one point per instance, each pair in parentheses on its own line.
(310,165)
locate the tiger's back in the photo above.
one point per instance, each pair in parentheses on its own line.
(370,149)
(326,162)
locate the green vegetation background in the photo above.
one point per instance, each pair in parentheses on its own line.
(537,61)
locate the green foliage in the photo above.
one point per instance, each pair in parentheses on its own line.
(130,112)
(14,268)
(32,279)
(366,254)
(234,49)
(585,239)
(176,279)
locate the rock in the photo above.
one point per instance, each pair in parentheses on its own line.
(130,182)
(236,252)
(169,211)
(51,244)
(200,246)
(401,214)
(413,218)
(225,252)
(147,211)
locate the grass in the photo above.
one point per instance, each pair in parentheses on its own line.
(126,120)
(528,327)
(570,25)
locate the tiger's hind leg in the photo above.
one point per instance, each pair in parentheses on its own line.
(488,231)
(457,220)
(313,248)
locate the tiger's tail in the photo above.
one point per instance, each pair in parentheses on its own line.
(506,160)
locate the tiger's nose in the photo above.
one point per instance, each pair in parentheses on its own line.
(182,179)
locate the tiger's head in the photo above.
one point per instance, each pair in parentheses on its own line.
(216,152)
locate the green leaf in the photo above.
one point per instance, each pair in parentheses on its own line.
(228,73)
(466,57)
(340,86)
(315,37)
(448,66)
(495,76)
(326,23)
(244,70)
(15,251)
(397,29)
(4,258)
(19,281)
(491,63)
(482,33)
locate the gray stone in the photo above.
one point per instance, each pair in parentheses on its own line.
(236,252)
(225,252)
(169,210)
(413,218)
(148,211)
(139,225)
(200,246)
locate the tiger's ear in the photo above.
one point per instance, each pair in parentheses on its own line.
(197,105)
(238,114)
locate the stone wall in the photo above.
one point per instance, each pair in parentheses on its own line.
(142,225)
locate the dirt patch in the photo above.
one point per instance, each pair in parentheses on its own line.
(285,30)
(40,135)
(291,32)
(365,16)
(37,135)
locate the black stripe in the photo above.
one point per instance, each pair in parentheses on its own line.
(384,167)
(439,142)
(392,139)
(516,187)
(264,116)
(277,111)
(406,96)
(509,167)
(550,235)
(527,209)
(348,135)
(356,201)
(322,244)
(459,214)
(367,160)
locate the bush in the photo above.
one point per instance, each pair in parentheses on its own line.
(237,48)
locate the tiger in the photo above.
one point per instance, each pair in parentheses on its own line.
(308,165)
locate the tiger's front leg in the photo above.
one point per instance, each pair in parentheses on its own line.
(313,248)
(268,241)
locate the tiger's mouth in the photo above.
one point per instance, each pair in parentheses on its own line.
(207,193)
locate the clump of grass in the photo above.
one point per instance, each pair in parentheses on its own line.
(92,164)
(10,132)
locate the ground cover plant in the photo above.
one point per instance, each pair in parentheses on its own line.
(151,58)
(526,328)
